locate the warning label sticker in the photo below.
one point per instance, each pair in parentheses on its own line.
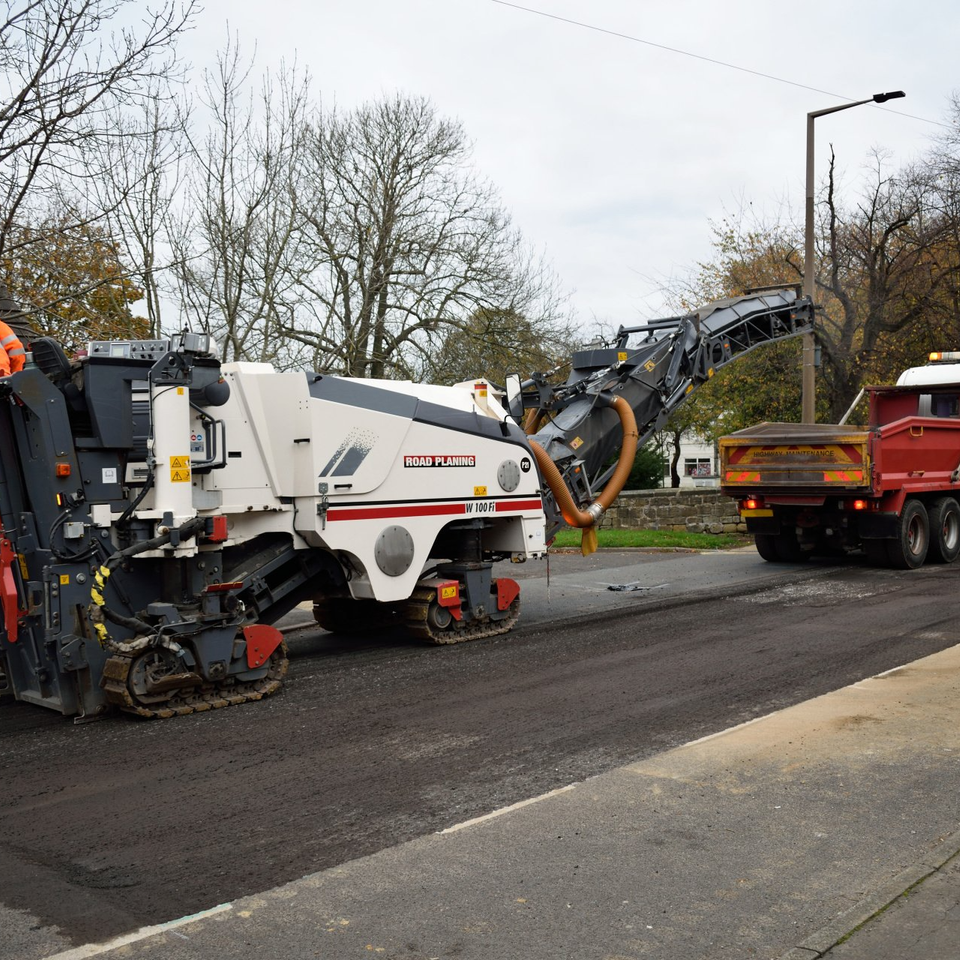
(440,460)
(179,469)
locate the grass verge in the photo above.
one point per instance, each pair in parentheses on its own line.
(655,538)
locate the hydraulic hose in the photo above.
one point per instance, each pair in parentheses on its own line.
(98,607)
(587,519)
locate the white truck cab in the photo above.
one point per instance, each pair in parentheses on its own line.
(944,367)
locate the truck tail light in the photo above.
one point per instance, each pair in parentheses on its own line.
(752,503)
(859,504)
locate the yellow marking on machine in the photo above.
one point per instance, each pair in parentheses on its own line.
(843,476)
(179,469)
(743,476)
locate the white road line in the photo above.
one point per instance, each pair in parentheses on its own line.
(510,809)
(97,949)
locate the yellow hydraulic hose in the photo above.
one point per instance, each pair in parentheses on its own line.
(586,519)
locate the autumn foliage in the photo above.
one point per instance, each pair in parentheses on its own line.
(71,283)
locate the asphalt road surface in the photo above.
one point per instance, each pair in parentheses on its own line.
(118,824)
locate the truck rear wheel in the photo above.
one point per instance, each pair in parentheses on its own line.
(909,549)
(780,548)
(767,547)
(944,530)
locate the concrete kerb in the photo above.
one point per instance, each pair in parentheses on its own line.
(876,902)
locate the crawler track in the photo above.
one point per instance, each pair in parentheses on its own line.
(415,616)
(192,698)
(420,623)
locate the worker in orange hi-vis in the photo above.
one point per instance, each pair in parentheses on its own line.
(12,356)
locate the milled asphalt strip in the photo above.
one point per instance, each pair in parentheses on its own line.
(96,949)
(876,902)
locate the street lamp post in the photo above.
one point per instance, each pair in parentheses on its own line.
(809,405)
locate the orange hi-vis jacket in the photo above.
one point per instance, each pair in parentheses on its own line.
(12,356)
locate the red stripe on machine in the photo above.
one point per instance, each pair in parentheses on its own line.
(430,510)
(385,513)
(519,505)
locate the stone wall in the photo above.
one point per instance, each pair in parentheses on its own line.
(694,510)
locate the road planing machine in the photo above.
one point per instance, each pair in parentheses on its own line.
(161,510)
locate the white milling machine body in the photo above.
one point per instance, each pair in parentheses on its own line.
(372,472)
(160,511)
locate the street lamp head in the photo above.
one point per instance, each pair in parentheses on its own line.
(884,97)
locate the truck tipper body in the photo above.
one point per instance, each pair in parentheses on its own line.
(889,488)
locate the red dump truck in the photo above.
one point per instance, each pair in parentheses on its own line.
(889,488)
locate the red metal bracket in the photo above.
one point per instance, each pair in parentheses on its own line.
(507,591)
(261,642)
(448,593)
(9,596)
(448,596)
(218,532)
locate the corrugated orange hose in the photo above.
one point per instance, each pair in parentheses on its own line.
(586,519)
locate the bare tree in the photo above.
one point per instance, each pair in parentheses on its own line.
(238,244)
(889,279)
(406,241)
(138,189)
(66,68)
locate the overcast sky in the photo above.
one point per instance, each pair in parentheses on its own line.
(614,155)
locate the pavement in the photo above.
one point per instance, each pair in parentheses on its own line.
(828,829)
